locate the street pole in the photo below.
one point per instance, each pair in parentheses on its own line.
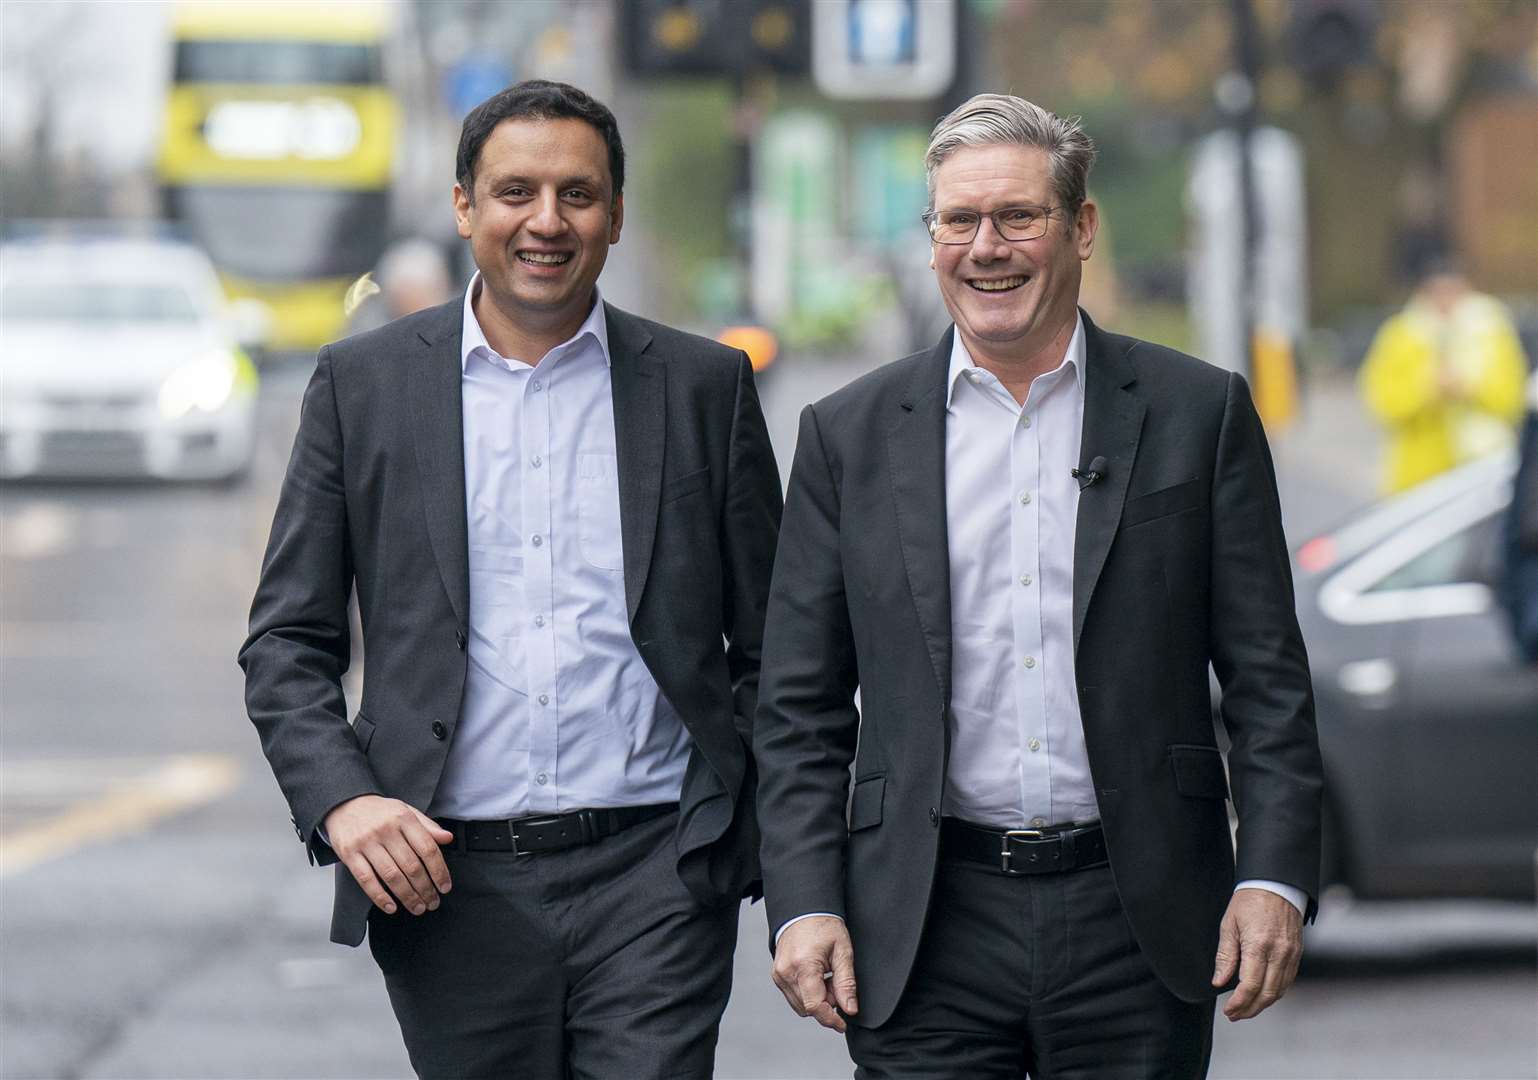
(1242,117)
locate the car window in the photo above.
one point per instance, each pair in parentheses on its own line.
(97,303)
(1469,555)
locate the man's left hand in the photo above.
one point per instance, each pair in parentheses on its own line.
(1261,936)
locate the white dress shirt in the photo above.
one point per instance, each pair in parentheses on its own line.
(560,712)
(1018,758)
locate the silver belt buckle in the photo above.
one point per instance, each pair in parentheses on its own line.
(1010,834)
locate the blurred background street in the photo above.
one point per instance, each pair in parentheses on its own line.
(157,917)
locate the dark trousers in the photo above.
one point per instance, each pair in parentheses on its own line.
(1035,976)
(591,962)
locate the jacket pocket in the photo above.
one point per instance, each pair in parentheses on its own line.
(687,484)
(1174,499)
(865,805)
(1199,771)
(363,730)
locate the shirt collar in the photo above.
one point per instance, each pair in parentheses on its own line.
(1073,360)
(472,337)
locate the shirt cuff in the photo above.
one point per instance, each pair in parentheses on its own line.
(788,923)
(1290,893)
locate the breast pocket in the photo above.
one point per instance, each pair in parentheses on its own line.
(598,511)
(1175,499)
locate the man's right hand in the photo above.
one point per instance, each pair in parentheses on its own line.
(390,847)
(807,952)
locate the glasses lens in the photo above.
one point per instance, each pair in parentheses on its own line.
(953,227)
(1021,222)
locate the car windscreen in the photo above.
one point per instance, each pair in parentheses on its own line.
(285,234)
(277,62)
(96,302)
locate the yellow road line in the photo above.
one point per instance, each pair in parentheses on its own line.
(131,805)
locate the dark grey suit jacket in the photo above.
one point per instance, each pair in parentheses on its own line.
(1179,560)
(374,498)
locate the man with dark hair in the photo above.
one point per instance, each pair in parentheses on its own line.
(1024,546)
(559,520)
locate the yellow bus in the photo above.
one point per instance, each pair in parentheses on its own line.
(279,149)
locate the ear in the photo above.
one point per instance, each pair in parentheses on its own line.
(1085,227)
(462,212)
(616,218)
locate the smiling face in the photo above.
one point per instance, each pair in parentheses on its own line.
(1012,300)
(540,225)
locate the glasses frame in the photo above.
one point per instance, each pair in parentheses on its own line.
(930,217)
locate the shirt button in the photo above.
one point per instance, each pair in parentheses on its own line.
(1025,579)
(1034,744)
(1038,822)
(1029,661)
(1025,421)
(439,731)
(544,699)
(539,620)
(541,779)
(538,461)
(537,540)
(538,385)
(1025,498)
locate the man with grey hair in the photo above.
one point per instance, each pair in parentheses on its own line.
(1024,547)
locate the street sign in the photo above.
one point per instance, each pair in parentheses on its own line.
(883,49)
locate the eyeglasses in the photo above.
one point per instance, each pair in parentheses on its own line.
(1012,223)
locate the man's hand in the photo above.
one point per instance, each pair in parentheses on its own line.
(807,952)
(389,845)
(1261,935)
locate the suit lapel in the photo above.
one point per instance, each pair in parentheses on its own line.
(1113,423)
(639,386)
(438,419)
(916,461)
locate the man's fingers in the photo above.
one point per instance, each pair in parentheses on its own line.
(393,862)
(826,1015)
(1227,955)
(787,987)
(426,848)
(843,984)
(813,990)
(1246,1001)
(369,882)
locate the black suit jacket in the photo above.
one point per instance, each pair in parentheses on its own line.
(1179,560)
(374,498)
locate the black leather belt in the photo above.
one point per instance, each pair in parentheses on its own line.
(1051,850)
(550,832)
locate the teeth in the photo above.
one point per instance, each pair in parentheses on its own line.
(551,258)
(998,286)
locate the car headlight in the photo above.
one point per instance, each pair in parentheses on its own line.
(205,384)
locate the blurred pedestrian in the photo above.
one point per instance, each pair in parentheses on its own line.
(1520,586)
(412,276)
(1444,376)
(560,520)
(1024,545)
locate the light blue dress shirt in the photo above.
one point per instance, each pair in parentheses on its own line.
(560,712)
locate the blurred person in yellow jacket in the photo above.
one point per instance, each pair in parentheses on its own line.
(1445,377)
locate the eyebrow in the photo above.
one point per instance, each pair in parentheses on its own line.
(587,180)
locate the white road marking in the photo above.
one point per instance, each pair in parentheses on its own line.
(131,802)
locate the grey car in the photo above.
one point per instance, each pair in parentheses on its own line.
(1428,715)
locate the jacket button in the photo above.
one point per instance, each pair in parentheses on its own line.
(459,639)
(439,732)
(934,816)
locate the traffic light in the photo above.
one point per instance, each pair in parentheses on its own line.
(715,37)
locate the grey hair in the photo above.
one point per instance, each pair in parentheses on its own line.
(989,119)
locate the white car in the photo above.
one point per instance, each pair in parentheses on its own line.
(119,358)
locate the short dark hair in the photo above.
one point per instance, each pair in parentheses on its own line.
(536,99)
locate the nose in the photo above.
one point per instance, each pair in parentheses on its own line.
(546,219)
(988,245)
